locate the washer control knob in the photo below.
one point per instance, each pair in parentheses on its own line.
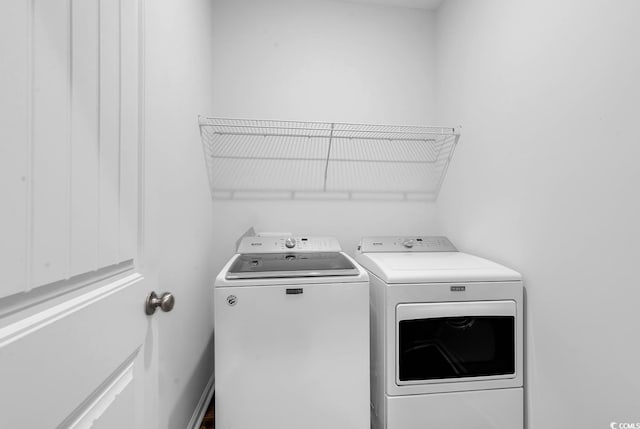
(408,243)
(290,243)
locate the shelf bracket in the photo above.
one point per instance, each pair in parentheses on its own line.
(326,164)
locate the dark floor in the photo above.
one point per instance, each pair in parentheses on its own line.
(207,421)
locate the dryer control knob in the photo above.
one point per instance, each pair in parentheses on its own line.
(408,243)
(290,243)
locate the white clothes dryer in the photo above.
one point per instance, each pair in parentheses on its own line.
(291,337)
(446,336)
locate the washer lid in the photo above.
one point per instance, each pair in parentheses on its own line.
(433,267)
(289,265)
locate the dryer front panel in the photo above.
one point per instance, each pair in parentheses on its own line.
(455,341)
(447,346)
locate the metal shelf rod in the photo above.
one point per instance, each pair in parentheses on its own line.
(323,159)
(326,126)
(224,133)
(329,136)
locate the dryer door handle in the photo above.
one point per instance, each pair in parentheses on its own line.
(455,309)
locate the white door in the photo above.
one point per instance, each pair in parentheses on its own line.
(76,347)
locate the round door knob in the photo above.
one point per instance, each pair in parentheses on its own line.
(165,302)
(290,243)
(408,243)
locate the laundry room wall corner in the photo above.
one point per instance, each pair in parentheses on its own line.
(546,183)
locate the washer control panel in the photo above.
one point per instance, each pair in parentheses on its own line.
(288,244)
(406,244)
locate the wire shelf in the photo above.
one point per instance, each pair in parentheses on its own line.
(287,159)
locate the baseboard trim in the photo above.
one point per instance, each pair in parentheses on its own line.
(201,408)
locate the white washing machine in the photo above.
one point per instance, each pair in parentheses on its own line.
(291,337)
(446,336)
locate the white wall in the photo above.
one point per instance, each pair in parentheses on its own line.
(178,63)
(546,180)
(321,61)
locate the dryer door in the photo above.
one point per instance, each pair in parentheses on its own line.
(450,342)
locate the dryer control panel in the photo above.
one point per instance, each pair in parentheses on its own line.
(406,244)
(288,244)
